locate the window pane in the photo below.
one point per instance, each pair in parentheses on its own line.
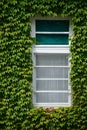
(52,97)
(52,39)
(52,85)
(52,25)
(52,72)
(52,59)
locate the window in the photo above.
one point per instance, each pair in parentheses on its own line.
(51,62)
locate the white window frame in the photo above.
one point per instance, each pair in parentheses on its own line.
(49,49)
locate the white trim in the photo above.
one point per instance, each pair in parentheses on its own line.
(32,28)
(51,66)
(51,78)
(52,32)
(52,104)
(52,91)
(58,49)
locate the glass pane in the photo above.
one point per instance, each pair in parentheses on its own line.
(52,39)
(52,85)
(52,25)
(52,59)
(51,72)
(52,97)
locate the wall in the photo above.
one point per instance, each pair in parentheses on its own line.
(16,110)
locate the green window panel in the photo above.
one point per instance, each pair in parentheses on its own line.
(52,39)
(52,25)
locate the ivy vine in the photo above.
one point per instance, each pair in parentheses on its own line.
(16,111)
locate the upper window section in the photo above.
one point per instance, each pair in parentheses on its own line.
(52,32)
(52,25)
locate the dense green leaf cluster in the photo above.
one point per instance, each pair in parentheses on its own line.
(72,118)
(15,64)
(16,112)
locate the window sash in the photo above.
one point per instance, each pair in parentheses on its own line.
(37,89)
(52,32)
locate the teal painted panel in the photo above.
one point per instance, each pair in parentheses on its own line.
(52,39)
(52,25)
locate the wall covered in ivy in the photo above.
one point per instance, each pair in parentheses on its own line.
(16,111)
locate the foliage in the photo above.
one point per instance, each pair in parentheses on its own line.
(56,119)
(16,110)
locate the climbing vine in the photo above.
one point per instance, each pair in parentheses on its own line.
(16,111)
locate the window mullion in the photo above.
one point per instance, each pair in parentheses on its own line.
(52,32)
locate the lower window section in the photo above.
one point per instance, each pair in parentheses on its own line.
(51,79)
(45,85)
(52,72)
(51,97)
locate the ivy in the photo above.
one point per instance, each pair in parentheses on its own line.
(16,110)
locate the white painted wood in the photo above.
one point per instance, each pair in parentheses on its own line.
(56,49)
(51,66)
(49,91)
(52,32)
(51,78)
